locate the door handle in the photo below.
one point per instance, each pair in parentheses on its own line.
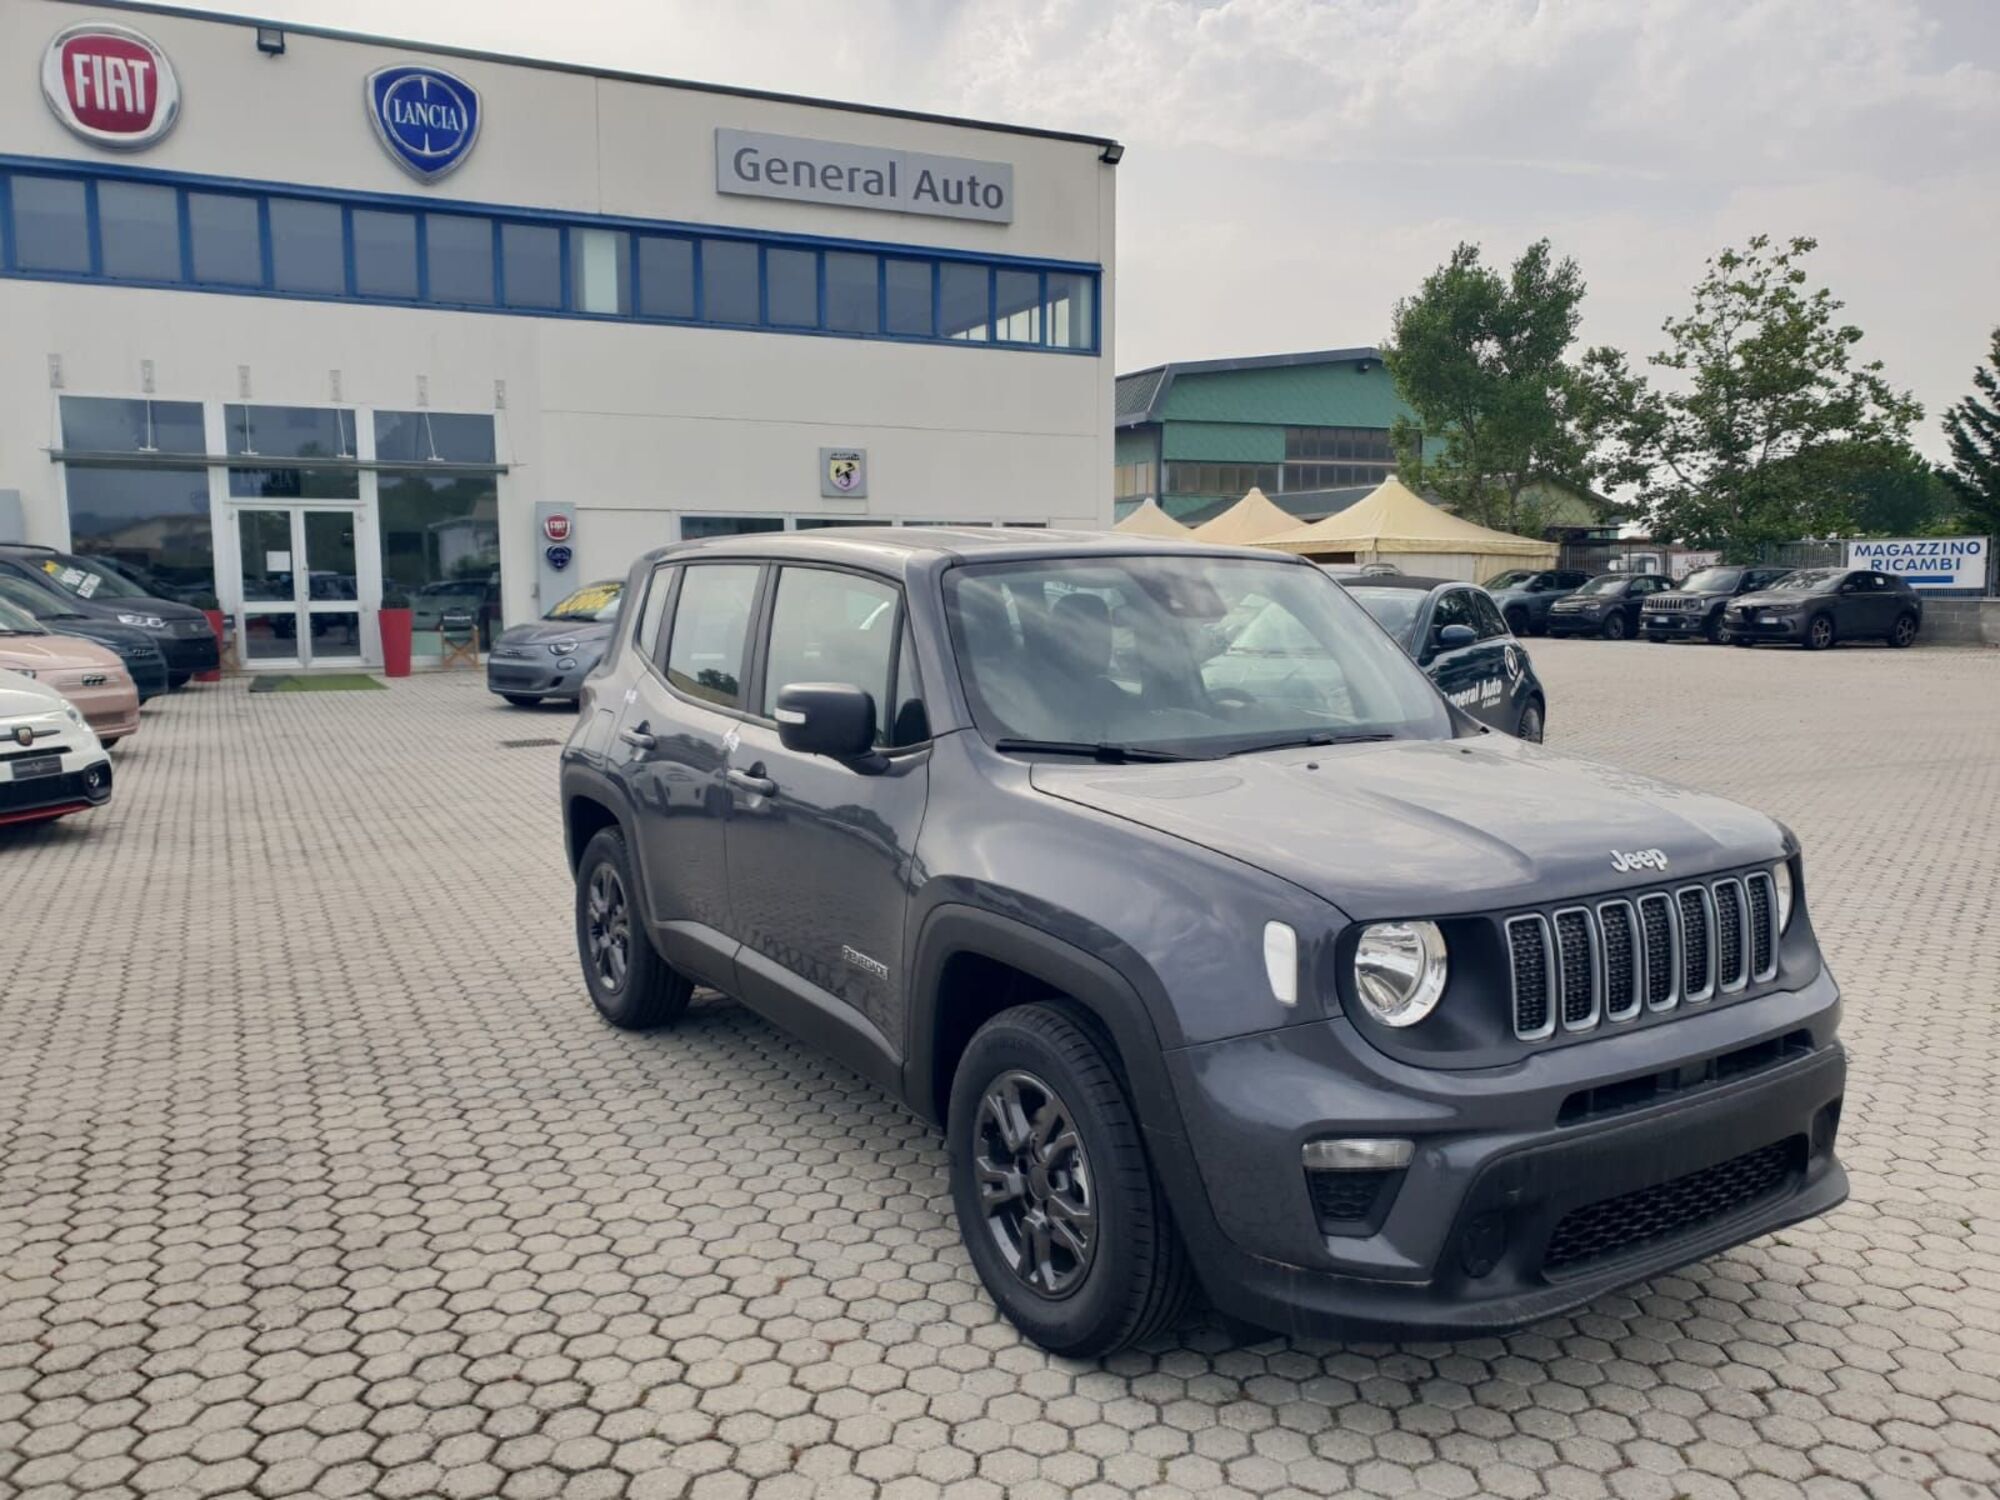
(638,738)
(750,781)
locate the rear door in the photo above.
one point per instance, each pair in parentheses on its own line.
(673,736)
(820,852)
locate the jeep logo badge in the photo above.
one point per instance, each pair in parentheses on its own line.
(1638,859)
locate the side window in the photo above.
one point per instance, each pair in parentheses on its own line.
(1453,608)
(711,625)
(646,639)
(911,723)
(832,627)
(1487,616)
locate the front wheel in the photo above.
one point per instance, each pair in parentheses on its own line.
(1531,726)
(1904,631)
(1614,626)
(630,984)
(1819,632)
(1060,1211)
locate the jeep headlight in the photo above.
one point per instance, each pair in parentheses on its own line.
(144,622)
(1400,970)
(1781,881)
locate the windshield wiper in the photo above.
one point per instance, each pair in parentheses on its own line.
(1108,753)
(1315,739)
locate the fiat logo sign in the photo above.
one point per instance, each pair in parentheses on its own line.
(111,85)
(556,527)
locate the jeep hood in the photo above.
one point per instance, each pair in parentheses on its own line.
(1412,828)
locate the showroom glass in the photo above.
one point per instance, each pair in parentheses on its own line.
(138,227)
(1196,655)
(152,523)
(440,530)
(710,631)
(281,432)
(1395,610)
(832,627)
(695,527)
(593,604)
(100,424)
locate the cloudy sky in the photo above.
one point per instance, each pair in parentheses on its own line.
(1294,166)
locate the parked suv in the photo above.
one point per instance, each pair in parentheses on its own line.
(1525,597)
(1818,606)
(1301,985)
(181,631)
(1608,605)
(1693,612)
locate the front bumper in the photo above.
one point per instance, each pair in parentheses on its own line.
(84,783)
(1574,624)
(551,677)
(1766,627)
(189,654)
(1504,1216)
(1681,625)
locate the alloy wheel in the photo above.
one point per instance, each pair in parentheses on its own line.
(1906,630)
(608,929)
(1035,1184)
(1822,632)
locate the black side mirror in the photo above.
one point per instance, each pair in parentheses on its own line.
(834,719)
(1456,637)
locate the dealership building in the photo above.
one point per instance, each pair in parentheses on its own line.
(296,320)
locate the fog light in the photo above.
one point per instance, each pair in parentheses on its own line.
(1357,1155)
(1485,1238)
(94,777)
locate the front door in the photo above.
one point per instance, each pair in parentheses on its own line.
(301,587)
(1473,677)
(820,852)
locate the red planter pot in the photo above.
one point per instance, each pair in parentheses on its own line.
(215,624)
(395,642)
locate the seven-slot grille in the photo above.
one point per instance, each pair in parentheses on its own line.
(1610,962)
(1674,602)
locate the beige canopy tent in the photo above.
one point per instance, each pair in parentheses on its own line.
(1251,519)
(1150,520)
(1394,524)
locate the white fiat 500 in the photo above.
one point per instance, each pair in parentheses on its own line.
(51,764)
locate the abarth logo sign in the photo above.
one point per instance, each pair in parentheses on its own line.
(111,85)
(426,118)
(23,734)
(1623,860)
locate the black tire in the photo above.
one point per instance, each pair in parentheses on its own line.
(1741,640)
(1712,630)
(1134,1277)
(1533,723)
(1903,633)
(523,700)
(107,741)
(1517,621)
(178,680)
(1614,626)
(1819,633)
(630,984)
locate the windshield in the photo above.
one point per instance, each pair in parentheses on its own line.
(1607,583)
(1395,610)
(34,600)
(594,601)
(1184,656)
(1712,581)
(87,580)
(17,621)
(1510,580)
(1810,581)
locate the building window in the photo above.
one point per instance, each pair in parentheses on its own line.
(224,239)
(1232,481)
(148,522)
(965,304)
(1072,323)
(440,531)
(298,432)
(853,292)
(306,250)
(434,437)
(1017,307)
(791,288)
(600,270)
(385,254)
(728,281)
(458,252)
(1133,480)
(911,298)
(139,228)
(1367,443)
(531,265)
(693,528)
(666,277)
(97,424)
(51,225)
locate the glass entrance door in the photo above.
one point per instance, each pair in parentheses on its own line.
(300,587)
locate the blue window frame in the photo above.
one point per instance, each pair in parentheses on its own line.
(66,221)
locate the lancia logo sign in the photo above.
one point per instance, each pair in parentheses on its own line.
(110,85)
(426,118)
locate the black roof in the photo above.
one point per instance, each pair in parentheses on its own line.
(334,33)
(1140,393)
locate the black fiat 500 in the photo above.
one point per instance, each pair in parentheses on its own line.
(1455,633)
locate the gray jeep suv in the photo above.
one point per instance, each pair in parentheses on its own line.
(1260,967)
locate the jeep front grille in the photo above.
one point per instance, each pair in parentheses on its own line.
(1619,958)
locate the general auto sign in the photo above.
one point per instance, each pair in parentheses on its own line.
(1925,562)
(111,85)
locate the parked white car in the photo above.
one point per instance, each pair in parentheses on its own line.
(51,763)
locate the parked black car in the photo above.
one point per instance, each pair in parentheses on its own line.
(1293,981)
(1693,612)
(181,631)
(1608,605)
(51,609)
(1454,632)
(1526,596)
(1817,606)
(550,658)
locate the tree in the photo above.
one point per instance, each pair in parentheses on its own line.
(1898,492)
(1972,427)
(1479,358)
(1769,418)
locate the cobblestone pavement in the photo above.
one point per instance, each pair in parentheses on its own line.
(318,1176)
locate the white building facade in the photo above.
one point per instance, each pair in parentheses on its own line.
(299,321)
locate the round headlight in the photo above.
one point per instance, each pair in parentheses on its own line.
(1399,971)
(562,647)
(1781,878)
